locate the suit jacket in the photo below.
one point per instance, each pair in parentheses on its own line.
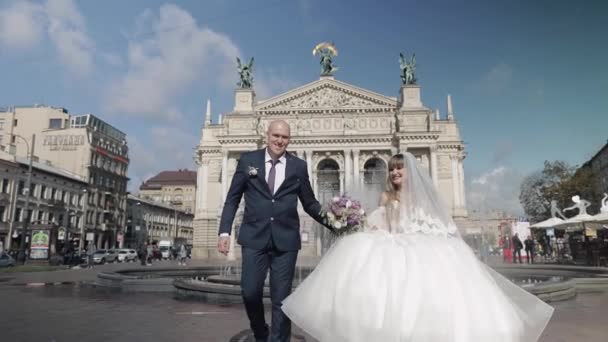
(269,216)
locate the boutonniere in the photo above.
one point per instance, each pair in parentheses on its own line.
(253,171)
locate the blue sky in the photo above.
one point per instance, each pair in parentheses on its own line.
(528,80)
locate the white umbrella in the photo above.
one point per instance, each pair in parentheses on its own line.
(549,223)
(578,222)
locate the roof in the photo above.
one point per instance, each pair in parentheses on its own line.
(36,165)
(179,177)
(152,203)
(602,150)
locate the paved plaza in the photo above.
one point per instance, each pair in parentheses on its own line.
(84,312)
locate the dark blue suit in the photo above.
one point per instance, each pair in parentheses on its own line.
(269,235)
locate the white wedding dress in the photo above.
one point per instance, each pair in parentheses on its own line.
(417,282)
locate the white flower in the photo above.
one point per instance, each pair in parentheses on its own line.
(336,199)
(337,224)
(331,216)
(361,212)
(349,204)
(253,171)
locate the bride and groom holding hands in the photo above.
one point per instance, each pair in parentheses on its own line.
(407,277)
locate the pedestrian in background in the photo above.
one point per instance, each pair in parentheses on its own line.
(142,253)
(183,254)
(529,242)
(90,252)
(517,246)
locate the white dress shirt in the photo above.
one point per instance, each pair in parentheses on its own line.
(279,175)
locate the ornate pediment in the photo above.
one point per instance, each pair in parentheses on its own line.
(328,95)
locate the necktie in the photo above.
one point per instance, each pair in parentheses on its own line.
(272,174)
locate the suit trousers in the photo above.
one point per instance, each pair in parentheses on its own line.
(256,264)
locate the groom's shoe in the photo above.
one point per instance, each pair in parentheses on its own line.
(265,335)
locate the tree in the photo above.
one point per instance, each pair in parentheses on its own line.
(558,181)
(532,198)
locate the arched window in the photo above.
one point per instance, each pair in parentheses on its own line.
(374,173)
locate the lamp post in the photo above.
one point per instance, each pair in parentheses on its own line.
(84,222)
(22,256)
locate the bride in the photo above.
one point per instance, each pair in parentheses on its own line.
(410,277)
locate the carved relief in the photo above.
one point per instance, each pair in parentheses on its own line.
(317,157)
(444,166)
(373,123)
(316,124)
(326,98)
(363,123)
(215,169)
(367,155)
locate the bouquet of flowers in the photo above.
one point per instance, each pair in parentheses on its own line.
(345,215)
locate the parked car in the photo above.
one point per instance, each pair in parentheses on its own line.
(6,260)
(102,256)
(126,255)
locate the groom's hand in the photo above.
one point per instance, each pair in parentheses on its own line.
(325,219)
(223,244)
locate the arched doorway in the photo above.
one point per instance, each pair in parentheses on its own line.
(374,174)
(328,186)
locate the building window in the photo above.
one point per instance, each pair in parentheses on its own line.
(51,218)
(2,210)
(55,124)
(53,193)
(40,216)
(17,217)
(43,192)
(13,139)
(33,189)
(14,124)
(5,186)
(21,188)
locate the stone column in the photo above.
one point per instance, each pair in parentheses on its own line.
(341,173)
(224,175)
(461,178)
(309,162)
(455,181)
(434,166)
(356,171)
(202,179)
(348,170)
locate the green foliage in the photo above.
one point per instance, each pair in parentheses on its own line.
(558,181)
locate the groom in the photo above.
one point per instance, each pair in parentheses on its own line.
(272,180)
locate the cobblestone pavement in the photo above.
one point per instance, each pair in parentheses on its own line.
(86,313)
(82,312)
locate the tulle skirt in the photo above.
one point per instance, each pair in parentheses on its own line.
(374,286)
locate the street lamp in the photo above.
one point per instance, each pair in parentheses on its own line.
(22,256)
(84,222)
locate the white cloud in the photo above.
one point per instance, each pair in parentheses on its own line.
(495,80)
(67,30)
(23,26)
(167,53)
(164,148)
(496,189)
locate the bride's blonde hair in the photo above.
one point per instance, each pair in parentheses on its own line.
(391,192)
